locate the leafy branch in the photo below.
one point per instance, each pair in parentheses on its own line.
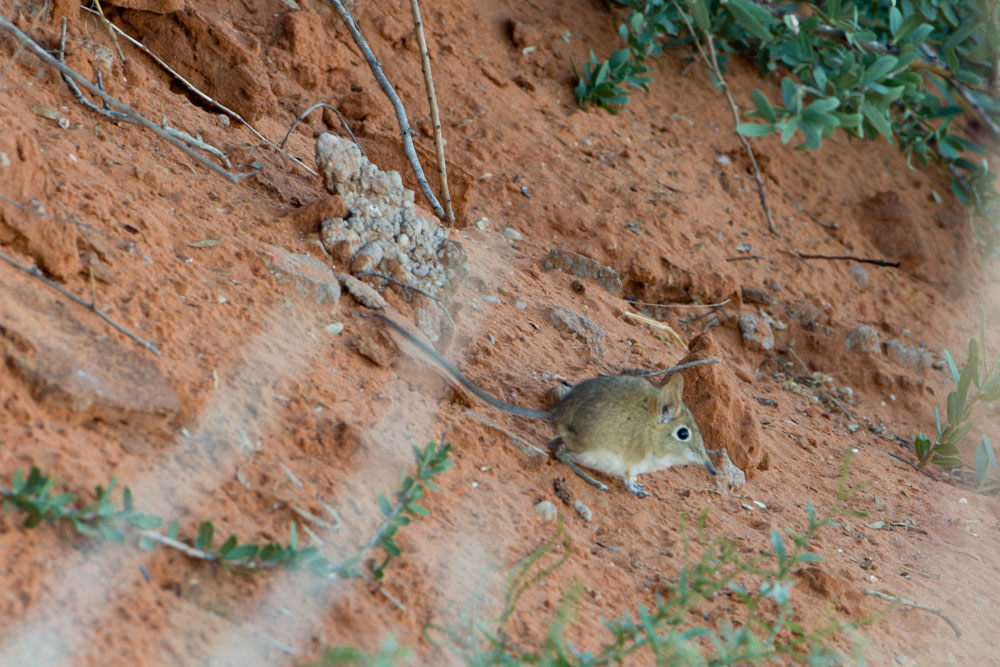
(944,450)
(762,583)
(104,519)
(905,71)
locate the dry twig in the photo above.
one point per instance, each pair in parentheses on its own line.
(410,287)
(406,131)
(915,605)
(125,118)
(138,118)
(681,367)
(321,105)
(713,63)
(218,105)
(33,271)
(425,62)
(877,262)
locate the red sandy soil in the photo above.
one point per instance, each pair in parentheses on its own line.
(250,382)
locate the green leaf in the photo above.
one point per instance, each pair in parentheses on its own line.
(969,78)
(960,433)
(969,370)
(172,530)
(921,445)
(880,68)
(293,537)
(754,18)
(779,548)
(228,545)
(418,509)
(952,366)
(383,504)
(947,461)
(245,552)
(895,20)
(205,532)
(954,408)
(699,11)
(876,117)
(764,106)
(985,461)
(990,393)
(755,129)
(789,94)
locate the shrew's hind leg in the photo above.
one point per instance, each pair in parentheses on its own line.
(567,458)
(635,487)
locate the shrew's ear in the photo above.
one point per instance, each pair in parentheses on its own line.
(668,403)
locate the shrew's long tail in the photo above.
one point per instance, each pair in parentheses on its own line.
(462,380)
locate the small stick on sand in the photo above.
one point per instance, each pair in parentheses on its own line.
(139,119)
(218,105)
(681,367)
(877,262)
(915,605)
(308,111)
(33,271)
(405,130)
(425,62)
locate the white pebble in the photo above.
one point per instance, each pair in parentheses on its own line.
(335,328)
(546,510)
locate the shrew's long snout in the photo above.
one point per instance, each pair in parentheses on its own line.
(709,466)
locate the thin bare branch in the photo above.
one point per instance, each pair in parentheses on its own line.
(915,605)
(33,271)
(681,367)
(308,111)
(138,118)
(205,98)
(406,131)
(425,62)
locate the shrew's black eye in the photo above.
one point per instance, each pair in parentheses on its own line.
(682,433)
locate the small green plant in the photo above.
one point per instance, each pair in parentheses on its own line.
(389,654)
(976,371)
(908,71)
(32,496)
(671,633)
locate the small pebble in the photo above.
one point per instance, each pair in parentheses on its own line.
(335,328)
(483,224)
(546,510)
(524,191)
(512,234)
(491,299)
(583,510)
(963,501)
(520,303)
